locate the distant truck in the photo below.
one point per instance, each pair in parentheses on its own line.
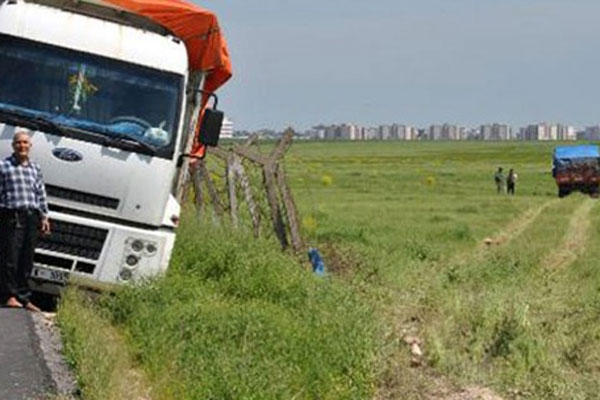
(577,168)
(112,91)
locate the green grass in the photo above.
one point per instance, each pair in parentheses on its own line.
(237,319)
(104,367)
(401,226)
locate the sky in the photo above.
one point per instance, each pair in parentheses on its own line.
(300,63)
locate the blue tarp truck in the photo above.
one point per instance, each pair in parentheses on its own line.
(576,168)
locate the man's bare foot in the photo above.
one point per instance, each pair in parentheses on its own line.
(12,302)
(32,307)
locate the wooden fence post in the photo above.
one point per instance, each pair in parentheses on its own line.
(192,114)
(275,183)
(272,198)
(231,178)
(212,190)
(240,173)
(196,177)
(290,208)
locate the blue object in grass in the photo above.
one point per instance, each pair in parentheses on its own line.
(317,262)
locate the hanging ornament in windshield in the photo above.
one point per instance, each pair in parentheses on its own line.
(80,88)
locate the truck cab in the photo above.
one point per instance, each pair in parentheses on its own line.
(105,103)
(576,168)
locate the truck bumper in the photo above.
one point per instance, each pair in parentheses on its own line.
(98,254)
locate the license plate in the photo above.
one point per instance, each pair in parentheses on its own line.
(50,274)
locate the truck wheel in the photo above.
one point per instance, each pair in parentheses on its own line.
(562,192)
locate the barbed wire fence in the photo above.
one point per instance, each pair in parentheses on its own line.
(249,188)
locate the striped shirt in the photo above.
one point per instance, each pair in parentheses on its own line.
(22,186)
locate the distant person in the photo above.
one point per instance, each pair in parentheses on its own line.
(511,180)
(499,180)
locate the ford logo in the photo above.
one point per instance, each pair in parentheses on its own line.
(67,154)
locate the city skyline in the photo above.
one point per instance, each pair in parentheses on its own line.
(299,64)
(399,131)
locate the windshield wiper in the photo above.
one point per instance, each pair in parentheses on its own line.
(123,138)
(30,121)
(43,123)
(48,125)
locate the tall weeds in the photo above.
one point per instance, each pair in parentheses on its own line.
(236,319)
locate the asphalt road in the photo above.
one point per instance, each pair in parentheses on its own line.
(23,371)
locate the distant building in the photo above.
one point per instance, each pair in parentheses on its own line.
(330,133)
(384,132)
(336,132)
(495,132)
(546,131)
(403,132)
(316,132)
(370,133)
(435,132)
(227,129)
(471,134)
(592,133)
(551,132)
(350,132)
(566,132)
(535,132)
(485,132)
(451,132)
(492,132)
(445,132)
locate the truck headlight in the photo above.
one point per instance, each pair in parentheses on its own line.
(132,260)
(125,274)
(143,248)
(151,248)
(137,245)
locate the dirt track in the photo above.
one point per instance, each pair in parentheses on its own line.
(575,240)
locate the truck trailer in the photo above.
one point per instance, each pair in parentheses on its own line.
(114,93)
(576,168)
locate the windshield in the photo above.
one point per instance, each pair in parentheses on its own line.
(91,94)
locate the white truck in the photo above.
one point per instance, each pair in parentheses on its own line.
(111,104)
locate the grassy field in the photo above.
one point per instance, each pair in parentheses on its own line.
(402,227)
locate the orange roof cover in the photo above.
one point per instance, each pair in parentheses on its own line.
(197,27)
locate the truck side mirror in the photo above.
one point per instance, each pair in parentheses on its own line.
(212,121)
(210,129)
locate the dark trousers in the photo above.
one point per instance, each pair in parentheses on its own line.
(18,237)
(510,188)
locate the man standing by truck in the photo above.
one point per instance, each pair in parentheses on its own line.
(23,211)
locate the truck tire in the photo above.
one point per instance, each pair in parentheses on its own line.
(562,192)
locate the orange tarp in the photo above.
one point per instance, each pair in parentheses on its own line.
(199,30)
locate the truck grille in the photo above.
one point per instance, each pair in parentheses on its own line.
(82,197)
(77,240)
(64,263)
